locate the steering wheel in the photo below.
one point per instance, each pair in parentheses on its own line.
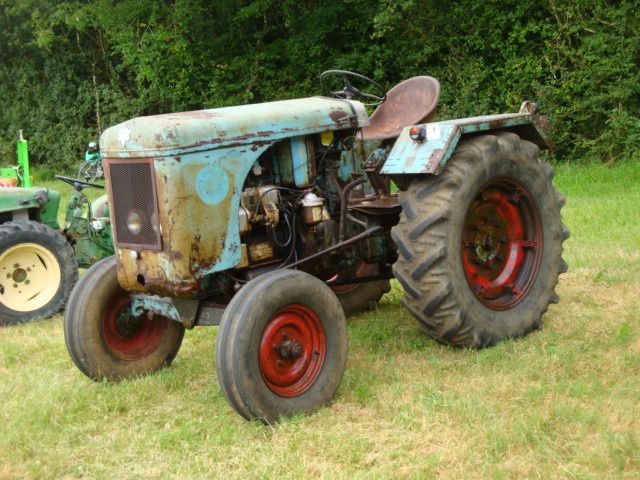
(77,183)
(349,92)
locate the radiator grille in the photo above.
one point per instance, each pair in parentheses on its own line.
(133,194)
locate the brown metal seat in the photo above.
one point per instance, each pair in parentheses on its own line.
(408,103)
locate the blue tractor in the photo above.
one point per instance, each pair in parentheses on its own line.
(277,220)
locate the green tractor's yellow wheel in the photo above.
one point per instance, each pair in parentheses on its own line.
(30,276)
(37,271)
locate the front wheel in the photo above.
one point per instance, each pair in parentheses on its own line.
(104,339)
(37,271)
(480,246)
(282,346)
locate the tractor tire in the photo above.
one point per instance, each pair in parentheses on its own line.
(282,346)
(360,297)
(480,246)
(104,340)
(38,269)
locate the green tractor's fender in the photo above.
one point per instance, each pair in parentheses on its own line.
(39,204)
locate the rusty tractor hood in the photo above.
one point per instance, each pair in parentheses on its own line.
(176,133)
(192,166)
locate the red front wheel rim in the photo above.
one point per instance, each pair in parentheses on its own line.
(127,337)
(293,347)
(501,244)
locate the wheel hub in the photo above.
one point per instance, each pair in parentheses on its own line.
(292,350)
(30,276)
(130,337)
(501,244)
(19,275)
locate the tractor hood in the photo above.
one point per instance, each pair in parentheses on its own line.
(187,132)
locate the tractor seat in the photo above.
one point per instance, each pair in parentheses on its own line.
(408,103)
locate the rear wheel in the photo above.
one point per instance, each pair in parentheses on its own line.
(480,246)
(105,340)
(281,350)
(360,297)
(37,271)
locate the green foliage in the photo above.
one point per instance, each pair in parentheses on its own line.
(69,69)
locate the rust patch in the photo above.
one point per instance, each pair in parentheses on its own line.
(434,159)
(197,114)
(337,115)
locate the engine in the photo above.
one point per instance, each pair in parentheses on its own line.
(301,199)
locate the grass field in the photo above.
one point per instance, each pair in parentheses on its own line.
(563,402)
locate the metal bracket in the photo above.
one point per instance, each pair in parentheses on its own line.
(189,312)
(21,215)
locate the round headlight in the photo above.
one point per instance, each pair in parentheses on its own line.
(134,223)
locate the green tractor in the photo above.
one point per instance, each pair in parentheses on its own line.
(38,264)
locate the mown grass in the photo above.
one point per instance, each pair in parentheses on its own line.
(563,402)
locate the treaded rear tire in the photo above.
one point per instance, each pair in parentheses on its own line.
(429,240)
(19,232)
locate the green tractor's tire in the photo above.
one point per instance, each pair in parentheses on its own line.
(480,246)
(282,346)
(37,271)
(105,340)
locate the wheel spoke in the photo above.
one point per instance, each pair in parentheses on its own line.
(347,82)
(371,96)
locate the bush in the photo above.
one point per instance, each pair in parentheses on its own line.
(72,68)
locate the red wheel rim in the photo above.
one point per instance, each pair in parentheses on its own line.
(127,337)
(292,350)
(501,244)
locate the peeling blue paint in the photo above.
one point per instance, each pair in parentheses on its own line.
(300,160)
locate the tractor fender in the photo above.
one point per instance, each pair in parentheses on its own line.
(43,201)
(431,154)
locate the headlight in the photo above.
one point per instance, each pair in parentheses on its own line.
(134,223)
